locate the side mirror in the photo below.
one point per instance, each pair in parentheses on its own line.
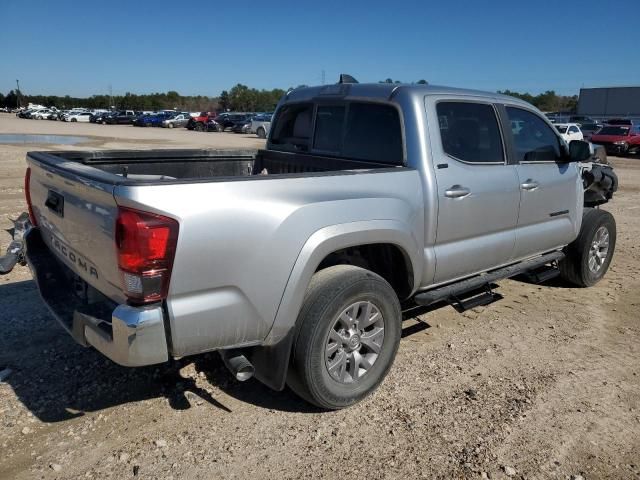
(579,151)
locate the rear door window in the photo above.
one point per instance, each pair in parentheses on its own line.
(470,132)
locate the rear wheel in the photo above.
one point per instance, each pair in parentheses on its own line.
(198,127)
(261,133)
(170,125)
(74,120)
(589,256)
(349,331)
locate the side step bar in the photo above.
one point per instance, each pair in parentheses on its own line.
(458,289)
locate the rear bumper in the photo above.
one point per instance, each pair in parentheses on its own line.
(130,336)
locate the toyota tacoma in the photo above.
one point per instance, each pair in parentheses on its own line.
(296,262)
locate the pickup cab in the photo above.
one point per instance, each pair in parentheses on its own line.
(296,262)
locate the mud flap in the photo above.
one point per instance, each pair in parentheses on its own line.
(271,363)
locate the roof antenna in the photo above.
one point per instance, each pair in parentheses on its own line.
(346,78)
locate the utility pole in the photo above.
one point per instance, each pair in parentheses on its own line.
(110,96)
(18,93)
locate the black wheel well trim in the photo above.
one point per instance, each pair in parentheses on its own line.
(271,362)
(381,258)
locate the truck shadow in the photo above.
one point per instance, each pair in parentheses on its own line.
(57,379)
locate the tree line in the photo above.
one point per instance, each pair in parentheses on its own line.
(240,98)
(548,101)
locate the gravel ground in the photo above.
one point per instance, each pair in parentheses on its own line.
(542,384)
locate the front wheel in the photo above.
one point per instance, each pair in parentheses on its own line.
(261,133)
(349,330)
(198,127)
(589,256)
(74,120)
(170,125)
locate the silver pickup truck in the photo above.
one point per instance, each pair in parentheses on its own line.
(296,262)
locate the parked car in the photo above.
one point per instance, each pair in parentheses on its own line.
(261,124)
(229,120)
(569,131)
(199,123)
(242,124)
(620,121)
(26,113)
(618,139)
(154,120)
(98,117)
(580,119)
(42,114)
(122,117)
(179,120)
(78,117)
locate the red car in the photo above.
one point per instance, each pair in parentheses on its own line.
(618,139)
(199,123)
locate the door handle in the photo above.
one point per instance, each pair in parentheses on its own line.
(457,191)
(529,185)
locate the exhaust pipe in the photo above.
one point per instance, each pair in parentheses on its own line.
(238,365)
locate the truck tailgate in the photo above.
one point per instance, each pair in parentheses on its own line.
(77,218)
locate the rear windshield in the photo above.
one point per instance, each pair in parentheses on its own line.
(355,130)
(614,131)
(561,129)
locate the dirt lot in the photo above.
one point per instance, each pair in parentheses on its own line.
(545,383)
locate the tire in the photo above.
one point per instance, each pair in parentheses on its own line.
(104,123)
(170,125)
(587,257)
(335,296)
(74,120)
(198,127)
(261,133)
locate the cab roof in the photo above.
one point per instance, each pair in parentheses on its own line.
(386,91)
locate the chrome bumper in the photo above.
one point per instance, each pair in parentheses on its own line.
(130,336)
(137,336)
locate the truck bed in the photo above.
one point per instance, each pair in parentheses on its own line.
(130,167)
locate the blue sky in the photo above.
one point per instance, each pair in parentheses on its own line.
(79,48)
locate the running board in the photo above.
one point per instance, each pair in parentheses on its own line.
(542,274)
(449,292)
(475,298)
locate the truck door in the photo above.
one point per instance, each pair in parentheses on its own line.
(550,189)
(478,194)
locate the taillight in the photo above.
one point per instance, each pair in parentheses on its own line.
(146,245)
(27,195)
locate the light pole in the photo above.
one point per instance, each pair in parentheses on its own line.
(18,93)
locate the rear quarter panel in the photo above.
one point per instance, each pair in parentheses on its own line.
(239,241)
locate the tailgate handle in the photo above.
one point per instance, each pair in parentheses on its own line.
(55,203)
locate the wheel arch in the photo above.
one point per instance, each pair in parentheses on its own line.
(271,359)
